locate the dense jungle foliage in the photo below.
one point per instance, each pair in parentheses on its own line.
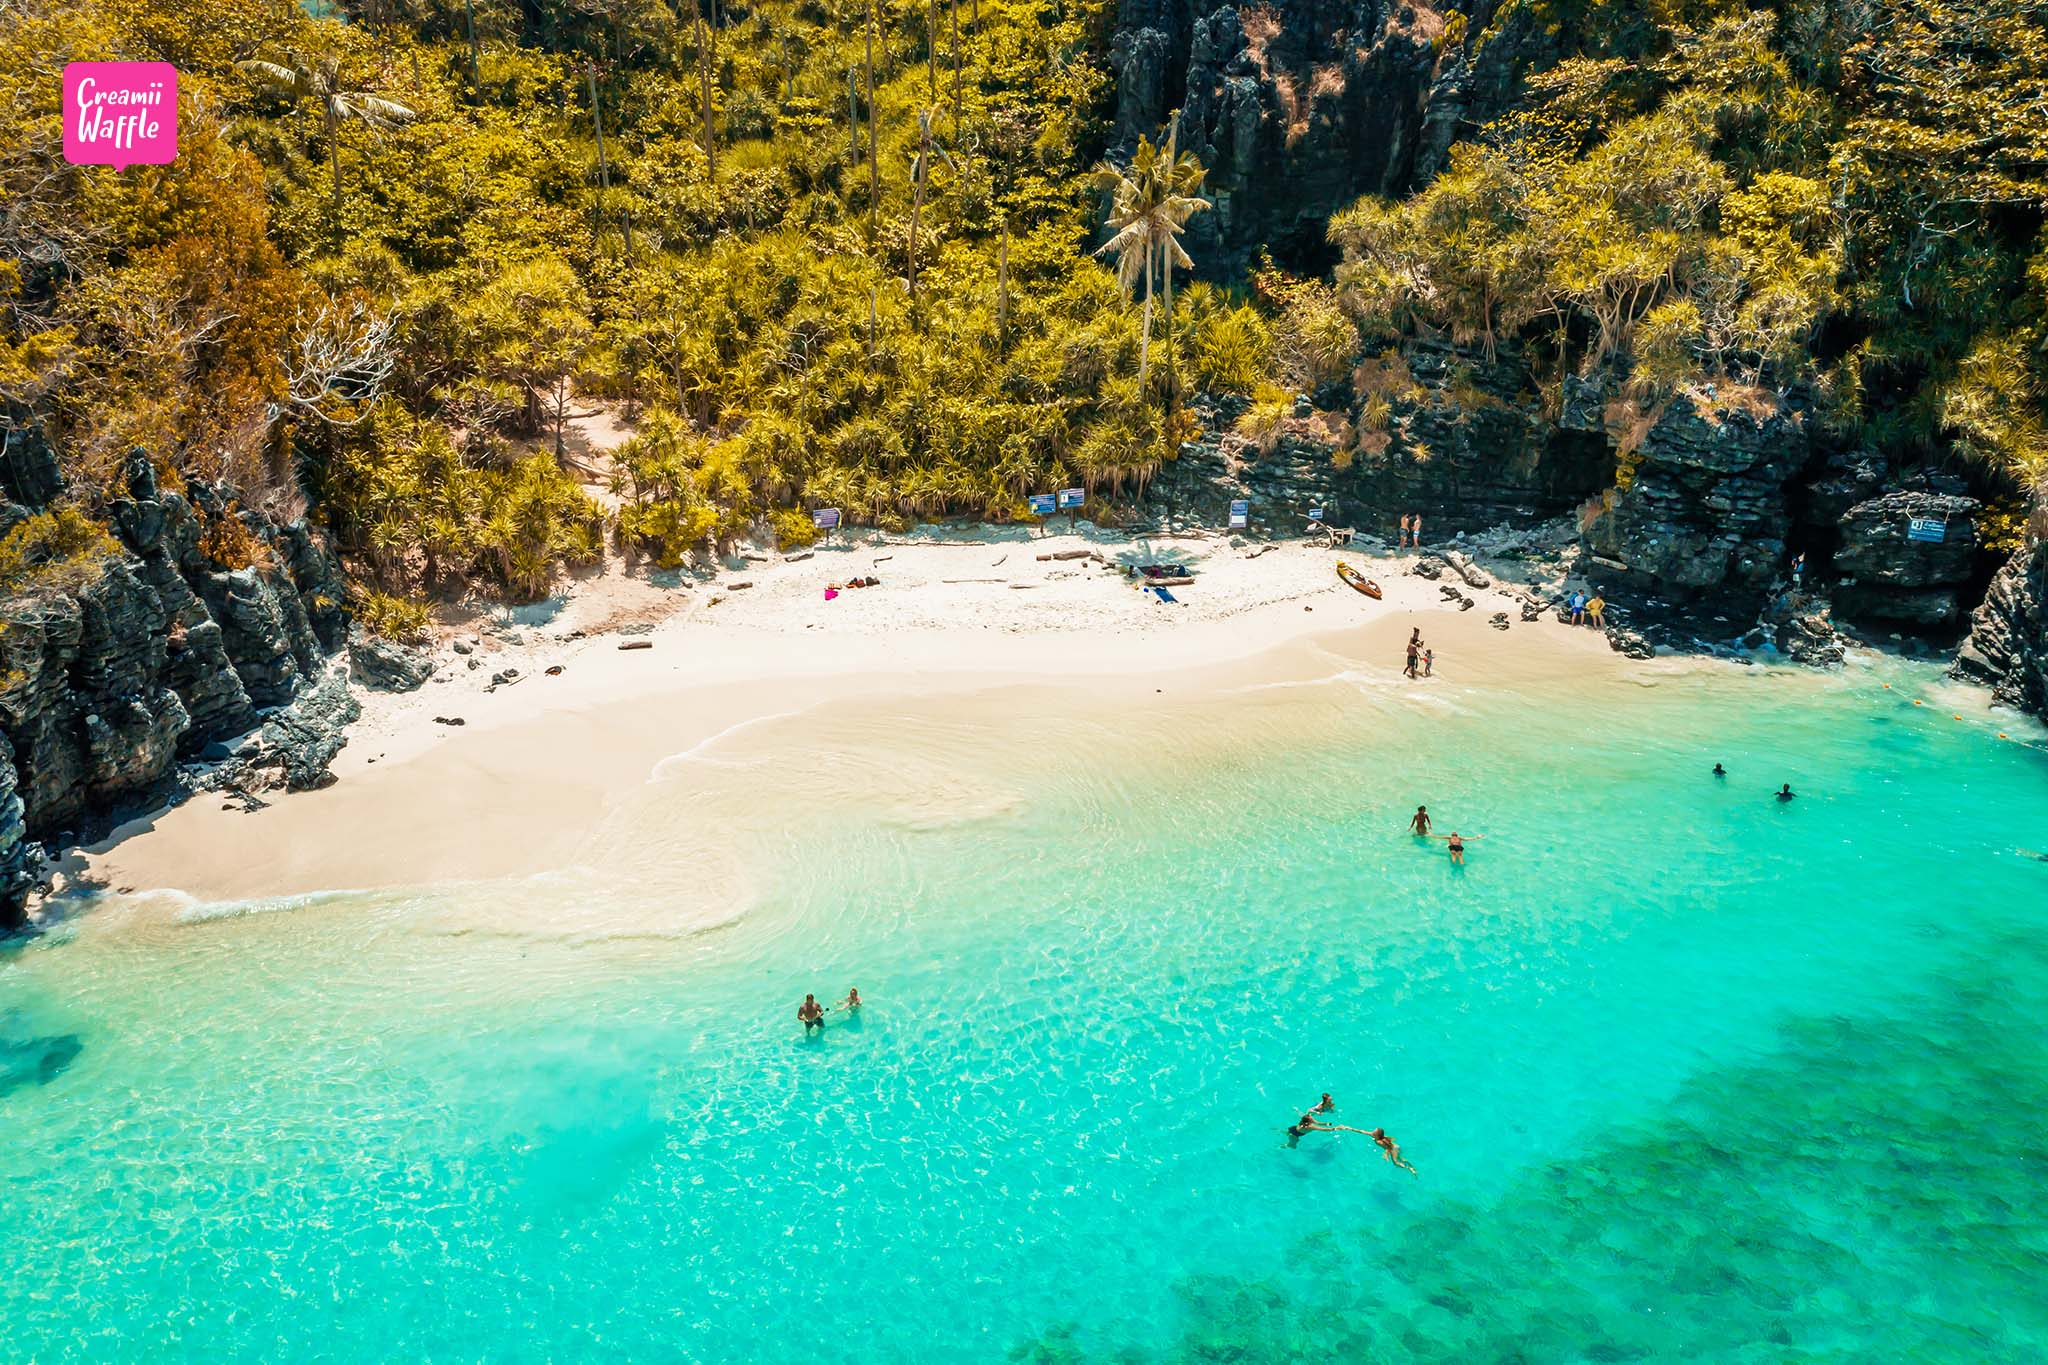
(1839,194)
(834,252)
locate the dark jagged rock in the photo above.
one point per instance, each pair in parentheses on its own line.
(1298,108)
(1888,576)
(151,655)
(1705,514)
(2007,649)
(1811,639)
(303,739)
(1462,443)
(28,466)
(386,665)
(1630,643)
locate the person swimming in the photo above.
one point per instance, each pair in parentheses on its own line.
(1456,842)
(1323,1105)
(1785,793)
(1307,1124)
(1391,1150)
(811,1012)
(851,1002)
(1720,771)
(1420,824)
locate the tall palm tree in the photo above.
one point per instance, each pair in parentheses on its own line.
(297,81)
(1151,201)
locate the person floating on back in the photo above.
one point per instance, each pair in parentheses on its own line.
(811,1012)
(1785,793)
(1420,824)
(1391,1150)
(1457,844)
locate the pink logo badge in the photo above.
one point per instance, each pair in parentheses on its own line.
(120,113)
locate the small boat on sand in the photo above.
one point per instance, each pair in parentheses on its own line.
(1359,581)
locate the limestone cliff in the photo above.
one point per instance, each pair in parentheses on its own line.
(154,654)
(1298,107)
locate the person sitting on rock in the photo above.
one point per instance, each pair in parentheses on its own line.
(1594,609)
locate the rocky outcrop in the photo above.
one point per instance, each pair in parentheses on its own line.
(1885,574)
(1703,513)
(128,663)
(386,665)
(1298,107)
(1462,442)
(2007,649)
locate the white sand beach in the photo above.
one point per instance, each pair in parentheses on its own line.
(534,766)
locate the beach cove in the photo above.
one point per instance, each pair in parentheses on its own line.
(490,1050)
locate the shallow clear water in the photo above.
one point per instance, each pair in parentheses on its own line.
(1687,1074)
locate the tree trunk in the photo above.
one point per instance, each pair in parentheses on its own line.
(469,19)
(1145,336)
(956,72)
(1003,291)
(704,60)
(334,163)
(874,135)
(924,148)
(931,49)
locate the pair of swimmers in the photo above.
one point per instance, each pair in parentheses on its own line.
(812,1014)
(1784,792)
(1309,1123)
(1420,826)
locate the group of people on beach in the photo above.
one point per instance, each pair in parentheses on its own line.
(1420,657)
(1410,537)
(1588,611)
(1309,1123)
(812,1014)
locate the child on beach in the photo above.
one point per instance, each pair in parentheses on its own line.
(1428,662)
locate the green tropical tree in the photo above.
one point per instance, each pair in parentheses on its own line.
(298,81)
(1151,201)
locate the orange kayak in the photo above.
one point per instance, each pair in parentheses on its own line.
(1359,581)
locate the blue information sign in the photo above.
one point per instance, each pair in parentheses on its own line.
(1315,514)
(1240,514)
(1042,504)
(825,518)
(1927,529)
(1072,497)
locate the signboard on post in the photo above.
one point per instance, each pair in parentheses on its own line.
(1240,514)
(1042,504)
(1315,514)
(1929,529)
(1071,500)
(826,519)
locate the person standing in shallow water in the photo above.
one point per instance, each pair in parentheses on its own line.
(1414,655)
(1420,824)
(811,1012)
(1785,793)
(1428,663)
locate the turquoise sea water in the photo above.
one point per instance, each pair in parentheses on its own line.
(1687,1074)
